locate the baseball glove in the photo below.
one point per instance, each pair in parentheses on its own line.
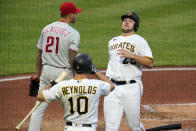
(33,87)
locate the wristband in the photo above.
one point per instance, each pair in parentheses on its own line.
(53,82)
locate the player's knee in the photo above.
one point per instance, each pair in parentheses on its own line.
(37,114)
(34,115)
(112,126)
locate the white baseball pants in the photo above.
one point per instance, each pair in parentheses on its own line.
(124,99)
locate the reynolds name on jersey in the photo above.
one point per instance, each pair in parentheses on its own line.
(79,90)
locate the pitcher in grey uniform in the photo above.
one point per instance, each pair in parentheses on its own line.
(79,96)
(57,47)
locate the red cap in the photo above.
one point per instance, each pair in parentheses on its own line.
(69,7)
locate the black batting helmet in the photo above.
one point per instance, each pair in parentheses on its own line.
(134,16)
(82,64)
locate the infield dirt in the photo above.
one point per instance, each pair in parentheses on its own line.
(166,96)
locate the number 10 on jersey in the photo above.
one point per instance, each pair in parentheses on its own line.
(79,104)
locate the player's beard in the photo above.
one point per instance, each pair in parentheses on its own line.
(73,20)
(127,31)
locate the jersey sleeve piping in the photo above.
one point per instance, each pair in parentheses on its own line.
(149,57)
(73,50)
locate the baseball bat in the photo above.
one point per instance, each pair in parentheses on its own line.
(166,127)
(60,78)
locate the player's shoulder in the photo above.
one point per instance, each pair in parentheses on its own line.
(66,82)
(139,38)
(96,81)
(102,85)
(48,25)
(92,80)
(63,25)
(72,30)
(51,24)
(114,38)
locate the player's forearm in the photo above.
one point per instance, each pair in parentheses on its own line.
(72,55)
(145,61)
(39,63)
(40,96)
(48,86)
(102,77)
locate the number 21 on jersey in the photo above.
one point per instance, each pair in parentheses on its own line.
(52,42)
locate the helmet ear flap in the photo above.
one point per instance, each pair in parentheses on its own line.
(136,27)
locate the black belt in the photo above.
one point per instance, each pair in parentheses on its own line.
(83,125)
(123,82)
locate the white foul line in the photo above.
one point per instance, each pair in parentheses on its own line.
(149,107)
(171,69)
(155,69)
(15,78)
(176,104)
(166,119)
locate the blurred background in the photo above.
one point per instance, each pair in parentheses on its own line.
(167,25)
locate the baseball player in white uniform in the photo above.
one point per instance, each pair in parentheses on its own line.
(79,96)
(57,46)
(128,53)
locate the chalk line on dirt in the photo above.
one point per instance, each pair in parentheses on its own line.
(155,69)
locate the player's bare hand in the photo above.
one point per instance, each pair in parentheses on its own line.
(35,76)
(125,53)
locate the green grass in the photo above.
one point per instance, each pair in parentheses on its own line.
(168,26)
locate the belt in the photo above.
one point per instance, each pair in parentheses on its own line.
(123,82)
(83,125)
(55,66)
